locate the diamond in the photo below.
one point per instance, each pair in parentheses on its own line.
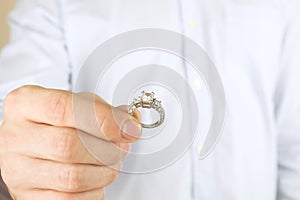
(147,97)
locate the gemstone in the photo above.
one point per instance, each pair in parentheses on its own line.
(147,97)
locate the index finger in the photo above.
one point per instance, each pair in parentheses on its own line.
(83,111)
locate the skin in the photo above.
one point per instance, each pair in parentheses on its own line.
(41,154)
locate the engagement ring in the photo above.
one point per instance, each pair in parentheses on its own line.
(148,101)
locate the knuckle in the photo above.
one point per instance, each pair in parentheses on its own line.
(64,145)
(8,175)
(57,108)
(13,98)
(114,157)
(5,175)
(125,149)
(9,102)
(70,178)
(112,176)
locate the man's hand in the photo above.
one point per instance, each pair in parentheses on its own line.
(41,155)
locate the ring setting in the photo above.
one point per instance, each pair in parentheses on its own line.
(148,101)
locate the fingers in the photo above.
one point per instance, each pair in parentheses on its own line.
(22,172)
(86,112)
(41,143)
(38,194)
(62,145)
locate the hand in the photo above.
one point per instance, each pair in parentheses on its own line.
(41,155)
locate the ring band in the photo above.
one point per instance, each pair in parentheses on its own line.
(148,101)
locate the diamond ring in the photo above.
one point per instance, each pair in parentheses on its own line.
(148,101)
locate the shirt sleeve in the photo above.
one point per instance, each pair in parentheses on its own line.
(287,100)
(37,53)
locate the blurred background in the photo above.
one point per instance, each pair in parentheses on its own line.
(5,7)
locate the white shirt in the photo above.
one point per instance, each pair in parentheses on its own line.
(255,46)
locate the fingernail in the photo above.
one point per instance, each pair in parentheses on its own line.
(132,128)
